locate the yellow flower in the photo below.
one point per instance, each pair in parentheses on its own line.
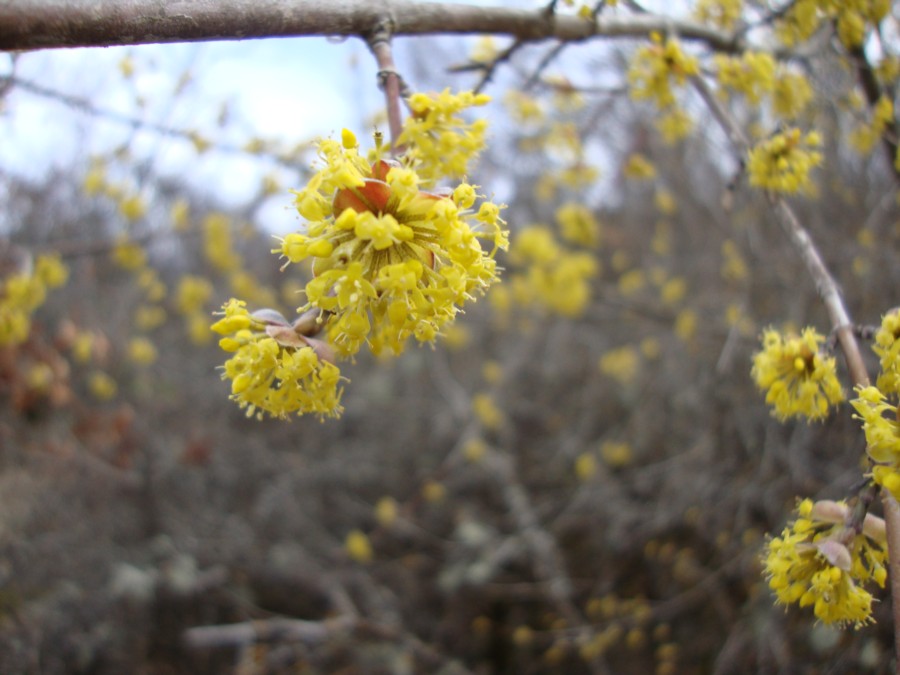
(192,293)
(390,260)
(578,225)
(486,411)
(887,347)
(621,364)
(616,453)
(798,380)
(440,142)
(148,317)
(102,386)
(585,466)
(129,255)
(133,208)
(51,270)
(218,248)
(141,351)
(719,13)
(656,67)
(474,450)
(818,562)
(274,369)
(783,163)
(433,492)
(752,74)
(386,511)
(882,436)
(358,547)
(638,167)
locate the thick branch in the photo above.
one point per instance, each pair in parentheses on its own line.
(45,24)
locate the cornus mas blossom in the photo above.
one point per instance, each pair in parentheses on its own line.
(390,259)
(783,163)
(819,561)
(882,436)
(275,369)
(798,380)
(887,347)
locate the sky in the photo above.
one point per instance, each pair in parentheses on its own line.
(290,89)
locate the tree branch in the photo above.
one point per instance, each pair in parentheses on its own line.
(47,24)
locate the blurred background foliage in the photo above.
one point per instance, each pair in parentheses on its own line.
(577,478)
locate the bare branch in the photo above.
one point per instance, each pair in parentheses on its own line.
(47,24)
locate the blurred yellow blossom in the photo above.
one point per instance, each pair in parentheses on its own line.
(141,351)
(616,454)
(783,162)
(487,412)
(358,547)
(102,386)
(621,364)
(797,378)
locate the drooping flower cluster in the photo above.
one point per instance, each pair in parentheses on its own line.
(751,74)
(798,379)
(275,369)
(191,296)
(654,72)
(864,137)
(719,13)
(782,163)
(657,67)
(22,293)
(818,561)
(852,17)
(882,436)
(887,347)
(551,276)
(390,260)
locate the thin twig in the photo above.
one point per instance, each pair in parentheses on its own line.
(389,79)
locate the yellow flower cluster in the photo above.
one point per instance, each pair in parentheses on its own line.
(853,18)
(782,163)
(882,436)
(390,260)
(21,294)
(798,380)
(141,351)
(733,268)
(440,143)
(719,13)
(791,95)
(621,364)
(191,296)
(129,255)
(638,167)
(751,74)
(887,347)
(656,67)
(577,224)
(218,248)
(818,562)
(864,137)
(553,277)
(273,368)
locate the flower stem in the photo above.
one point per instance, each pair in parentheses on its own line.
(388,79)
